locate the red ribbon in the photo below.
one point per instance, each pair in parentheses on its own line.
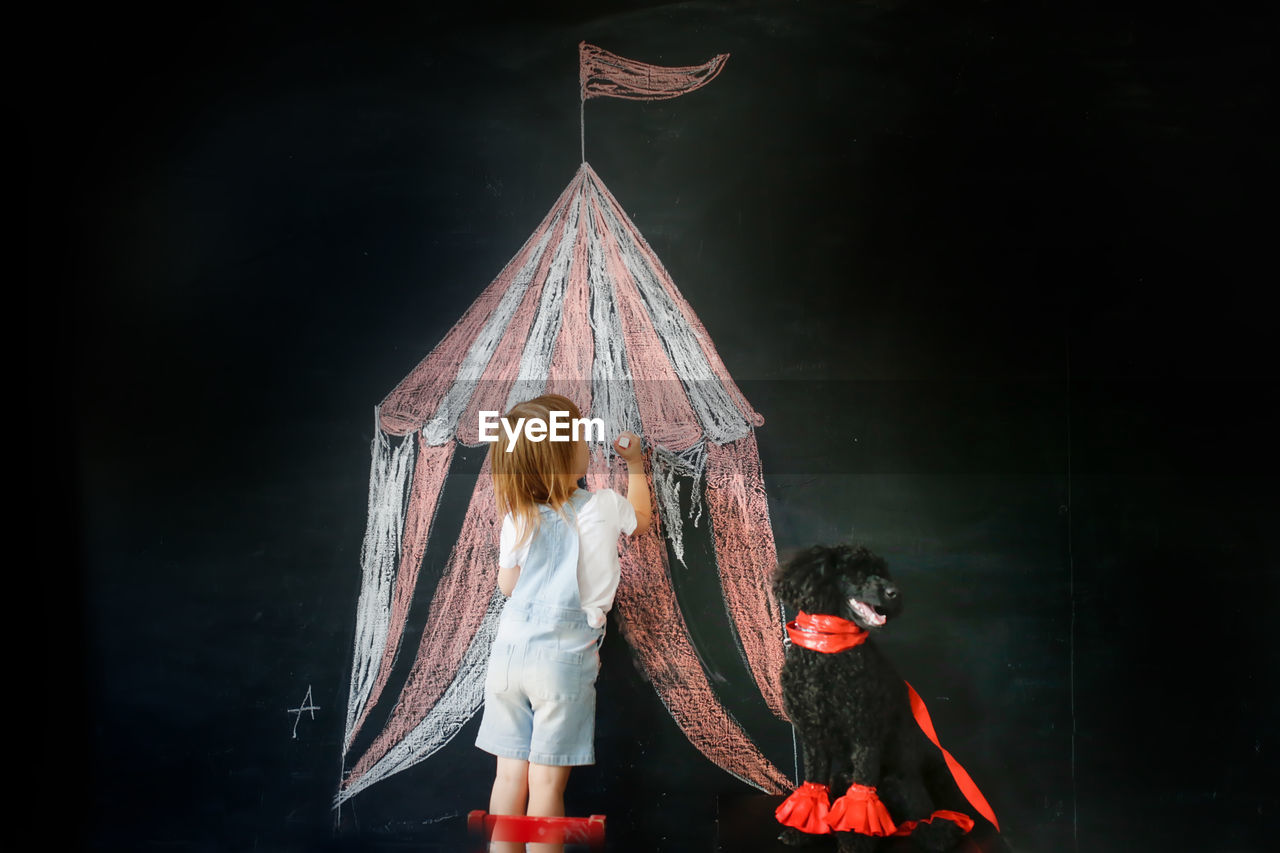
(966,784)
(960,818)
(823,633)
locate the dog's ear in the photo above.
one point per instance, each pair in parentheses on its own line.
(796,581)
(822,560)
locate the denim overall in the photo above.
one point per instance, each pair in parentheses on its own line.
(540,690)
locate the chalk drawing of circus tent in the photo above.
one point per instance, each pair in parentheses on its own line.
(585,309)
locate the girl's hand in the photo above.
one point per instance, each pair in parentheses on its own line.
(627,445)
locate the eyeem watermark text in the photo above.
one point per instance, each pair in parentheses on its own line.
(560,427)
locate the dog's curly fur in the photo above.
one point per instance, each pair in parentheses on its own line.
(851,709)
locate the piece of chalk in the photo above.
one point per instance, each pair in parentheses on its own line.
(624,442)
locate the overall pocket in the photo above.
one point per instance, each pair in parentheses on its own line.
(498,677)
(556,675)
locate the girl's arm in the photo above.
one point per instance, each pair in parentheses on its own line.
(637,483)
(506,544)
(507,579)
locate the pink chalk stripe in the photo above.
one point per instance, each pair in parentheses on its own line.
(457,609)
(571,362)
(412,402)
(708,349)
(430,470)
(668,418)
(650,619)
(746,556)
(494,386)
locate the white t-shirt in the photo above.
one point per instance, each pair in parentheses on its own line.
(604,516)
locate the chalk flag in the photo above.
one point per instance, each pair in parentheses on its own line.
(607,75)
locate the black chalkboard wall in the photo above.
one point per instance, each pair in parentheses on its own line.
(991,272)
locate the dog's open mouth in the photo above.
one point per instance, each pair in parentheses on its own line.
(866,613)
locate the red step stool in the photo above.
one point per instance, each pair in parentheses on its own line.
(483,827)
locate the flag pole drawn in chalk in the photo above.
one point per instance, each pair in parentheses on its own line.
(304,707)
(585,309)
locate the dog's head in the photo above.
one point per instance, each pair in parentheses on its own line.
(846,581)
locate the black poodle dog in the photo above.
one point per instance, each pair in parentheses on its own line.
(852,711)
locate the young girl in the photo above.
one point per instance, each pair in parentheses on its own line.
(558,562)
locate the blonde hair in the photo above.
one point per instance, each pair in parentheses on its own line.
(533,473)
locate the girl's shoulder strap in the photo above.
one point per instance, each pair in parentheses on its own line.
(575,504)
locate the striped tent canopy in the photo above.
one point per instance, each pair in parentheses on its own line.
(584,309)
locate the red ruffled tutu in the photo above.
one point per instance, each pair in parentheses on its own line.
(860,811)
(806,809)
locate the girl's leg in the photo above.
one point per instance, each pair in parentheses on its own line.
(546,798)
(510,792)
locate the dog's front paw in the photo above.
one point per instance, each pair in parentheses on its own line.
(937,835)
(793,837)
(854,842)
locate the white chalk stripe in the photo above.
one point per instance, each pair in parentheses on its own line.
(720,419)
(613,397)
(535,360)
(463,697)
(442,425)
(390,473)
(669,468)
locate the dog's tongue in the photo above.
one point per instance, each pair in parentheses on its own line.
(866,612)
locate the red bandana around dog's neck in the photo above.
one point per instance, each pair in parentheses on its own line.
(823,633)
